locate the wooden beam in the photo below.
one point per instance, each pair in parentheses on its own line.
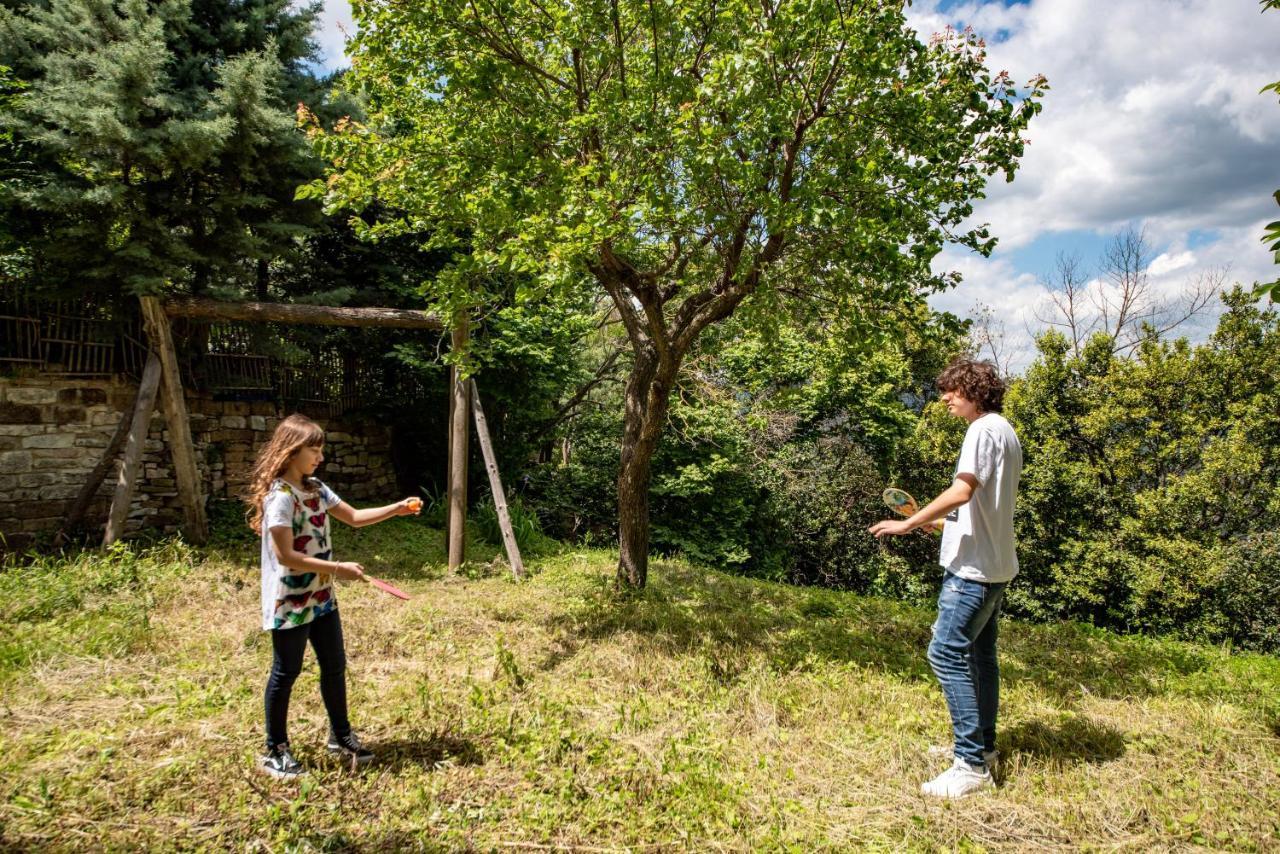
(207,309)
(136,441)
(458,448)
(495,485)
(175,412)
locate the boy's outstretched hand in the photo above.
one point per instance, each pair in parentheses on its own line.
(890,527)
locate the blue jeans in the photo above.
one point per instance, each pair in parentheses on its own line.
(963,656)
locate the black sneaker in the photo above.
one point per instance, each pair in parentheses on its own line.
(350,749)
(279,763)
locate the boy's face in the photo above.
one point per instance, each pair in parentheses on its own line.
(960,406)
(309,459)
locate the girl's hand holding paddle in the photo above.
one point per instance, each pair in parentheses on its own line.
(350,571)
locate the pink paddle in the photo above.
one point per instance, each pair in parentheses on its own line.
(389,588)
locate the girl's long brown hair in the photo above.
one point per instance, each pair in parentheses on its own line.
(291,435)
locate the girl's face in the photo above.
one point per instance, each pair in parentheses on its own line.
(308,459)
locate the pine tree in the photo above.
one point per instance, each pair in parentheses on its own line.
(163,131)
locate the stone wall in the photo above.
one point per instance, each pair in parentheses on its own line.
(54,431)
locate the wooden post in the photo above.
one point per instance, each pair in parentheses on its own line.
(458,448)
(137,439)
(495,485)
(175,412)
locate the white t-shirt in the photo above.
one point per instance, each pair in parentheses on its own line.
(289,598)
(977,541)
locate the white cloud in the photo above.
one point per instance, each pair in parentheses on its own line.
(332,29)
(1154,118)
(1167,262)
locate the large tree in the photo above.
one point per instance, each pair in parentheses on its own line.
(684,157)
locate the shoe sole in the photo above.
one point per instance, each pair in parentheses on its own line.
(280,775)
(948,797)
(349,756)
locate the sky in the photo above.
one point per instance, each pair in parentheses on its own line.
(1154,120)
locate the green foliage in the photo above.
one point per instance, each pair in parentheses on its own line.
(524,524)
(778,445)
(91,604)
(162,145)
(1151,490)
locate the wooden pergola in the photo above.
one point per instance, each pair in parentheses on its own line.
(161,376)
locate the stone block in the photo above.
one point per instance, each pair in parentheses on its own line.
(69,415)
(257,422)
(46,463)
(36,479)
(10,443)
(91,440)
(7,482)
(15,540)
(33,508)
(12,462)
(61,491)
(233,422)
(19,413)
(21,429)
(51,440)
(32,395)
(86,396)
(46,524)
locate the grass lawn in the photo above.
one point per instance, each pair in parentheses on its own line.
(714,713)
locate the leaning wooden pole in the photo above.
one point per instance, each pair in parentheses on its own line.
(458,448)
(134,444)
(79,507)
(181,447)
(495,485)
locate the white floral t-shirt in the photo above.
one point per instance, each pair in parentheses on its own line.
(289,598)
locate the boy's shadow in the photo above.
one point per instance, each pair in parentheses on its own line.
(1068,740)
(431,751)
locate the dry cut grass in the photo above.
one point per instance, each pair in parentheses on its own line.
(713,713)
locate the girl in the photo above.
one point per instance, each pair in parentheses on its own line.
(291,510)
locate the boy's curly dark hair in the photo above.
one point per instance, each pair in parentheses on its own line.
(977,381)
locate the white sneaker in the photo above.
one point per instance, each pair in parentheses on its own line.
(958,781)
(946,751)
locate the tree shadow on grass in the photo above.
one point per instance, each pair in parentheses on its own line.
(689,610)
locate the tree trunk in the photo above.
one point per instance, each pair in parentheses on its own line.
(647,398)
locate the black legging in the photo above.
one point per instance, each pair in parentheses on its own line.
(288,646)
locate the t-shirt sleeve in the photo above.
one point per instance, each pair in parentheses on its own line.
(328,497)
(277,510)
(978,454)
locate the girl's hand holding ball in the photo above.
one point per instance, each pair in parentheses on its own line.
(411,506)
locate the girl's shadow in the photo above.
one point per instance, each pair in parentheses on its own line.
(432,751)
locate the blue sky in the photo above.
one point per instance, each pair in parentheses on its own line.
(1154,120)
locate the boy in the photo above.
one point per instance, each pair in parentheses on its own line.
(978,557)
